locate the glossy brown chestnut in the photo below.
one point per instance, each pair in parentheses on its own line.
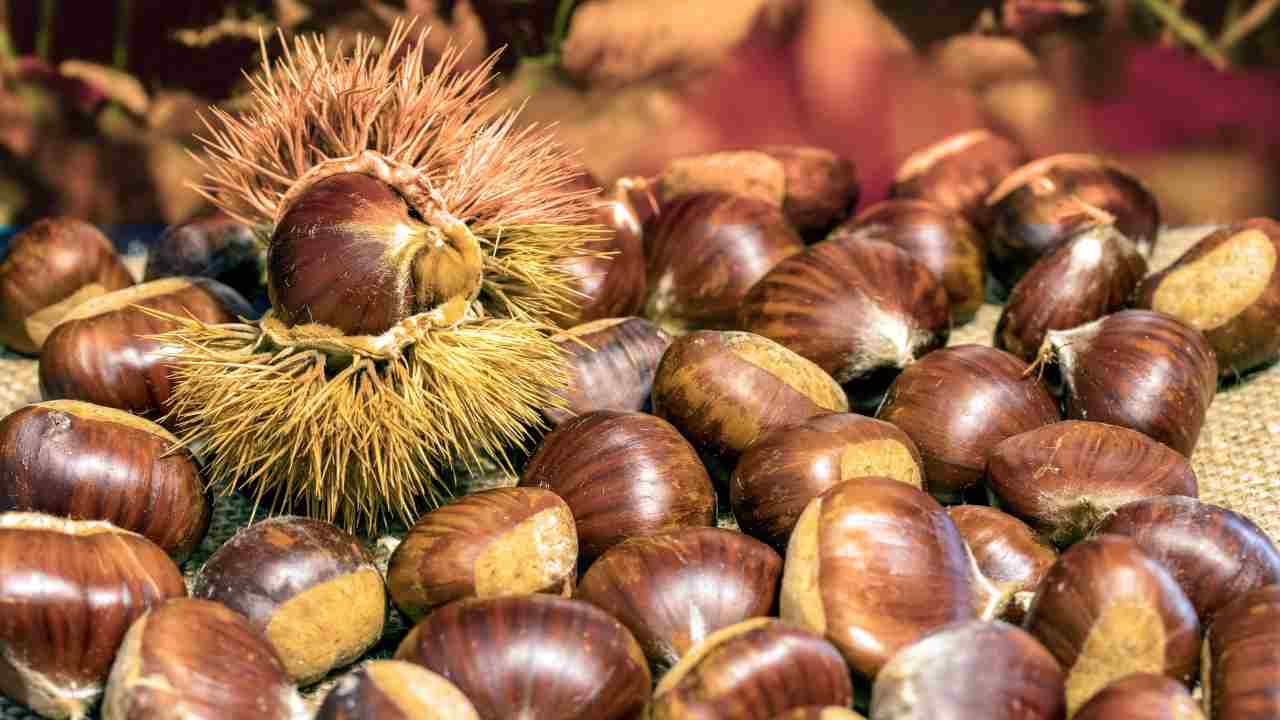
(1142,696)
(958,172)
(611,280)
(1067,477)
(100,352)
(750,174)
(623,475)
(533,657)
(1106,610)
(705,251)
(675,588)
(1138,369)
(821,187)
(505,541)
(1090,275)
(1240,672)
(943,240)
(724,390)
(395,690)
(975,669)
(611,365)
(1216,555)
(87,462)
(756,668)
(1228,287)
(1011,557)
(214,245)
(70,589)
(875,564)
(307,586)
(781,472)
(1040,205)
(51,267)
(957,404)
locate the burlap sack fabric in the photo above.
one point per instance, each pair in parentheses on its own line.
(1237,459)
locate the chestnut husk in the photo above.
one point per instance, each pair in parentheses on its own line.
(958,172)
(1142,696)
(213,245)
(1240,670)
(611,366)
(395,690)
(611,281)
(1007,553)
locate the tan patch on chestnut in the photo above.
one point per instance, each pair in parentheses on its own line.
(40,521)
(801,600)
(538,554)
(1221,284)
(129,296)
(418,692)
(798,373)
(589,327)
(703,649)
(329,624)
(40,323)
(925,159)
(884,458)
(89,411)
(126,673)
(747,173)
(1125,639)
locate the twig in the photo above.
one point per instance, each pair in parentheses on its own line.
(1188,31)
(120,51)
(44,36)
(1247,23)
(1166,36)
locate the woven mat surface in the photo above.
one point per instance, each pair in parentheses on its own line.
(1237,459)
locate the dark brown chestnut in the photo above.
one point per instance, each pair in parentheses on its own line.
(87,462)
(756,668)
(957,404)
(958,172)
(101,352)
(533,657)
(875,565)
(505,541)
(311,589)
(705,251)
(821,187)
(1216,555)
(675,588)
(1092,274)
(1142,696)
(781,472)
(51,267)
(1228,287)
(974,669)
(943,240)
(611,280)
(214,245)
(1138,369)
(395,690)
(1240,672)
(1067,477)
(70,590)
(611,365)
(1106,610)
(1008,554)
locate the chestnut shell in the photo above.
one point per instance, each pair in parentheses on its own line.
(1242,658)
(958,172)
(611,365)
(612,280)
(1142,696)
(215,246)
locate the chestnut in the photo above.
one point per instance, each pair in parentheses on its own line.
(875,564)
(1240,673)
(611,365)
(395,690)
(749,174)
(757,668)
(1106,610)
(533,657)
(781,472)
(1067,477)
(70,589)
(705,251)
(943,240)
(974,669)
(88,462)
(1216,555)
(724,390)
(611,280)
(1142,696)
(1090,275)
(957,404)
(1039,205)
(673,589)
(51,267)
(821,187)
(1138,369)
(213,245)
(194,659)
(1228,287)
(622,475)
(101,352)
(1008,554)
(307,586)
(819,712)
(958,172)
(505,541)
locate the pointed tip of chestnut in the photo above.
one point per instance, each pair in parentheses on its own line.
(1007,553)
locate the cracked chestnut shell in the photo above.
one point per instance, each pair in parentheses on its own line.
(1011,557)
(311,589)
(214,245)
(675,588)
(958,172)
(505,541)
(87,462)
(611,365)
(1240,672)
(612,285)
(1142,696)
(395,690)
(533,657)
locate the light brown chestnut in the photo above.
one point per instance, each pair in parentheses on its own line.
(974,669)
(1092,274)
(675,588)
(875,565)
(1142,696)
(51,267)
(533,657)
(70,590)
(214,245)
(821,187)
(194,659)
(958,172)
(1138,369)
(611,365)
(820,712)
(505,541)
(611,280)
(1067,477)
(1008,554)
(623,475)
(395,690)
(82,461)
(311,589)
(750,174)
(957,404)
(781,472)
(757,668)
(1228,287)
(1240,672)
(1106,610)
